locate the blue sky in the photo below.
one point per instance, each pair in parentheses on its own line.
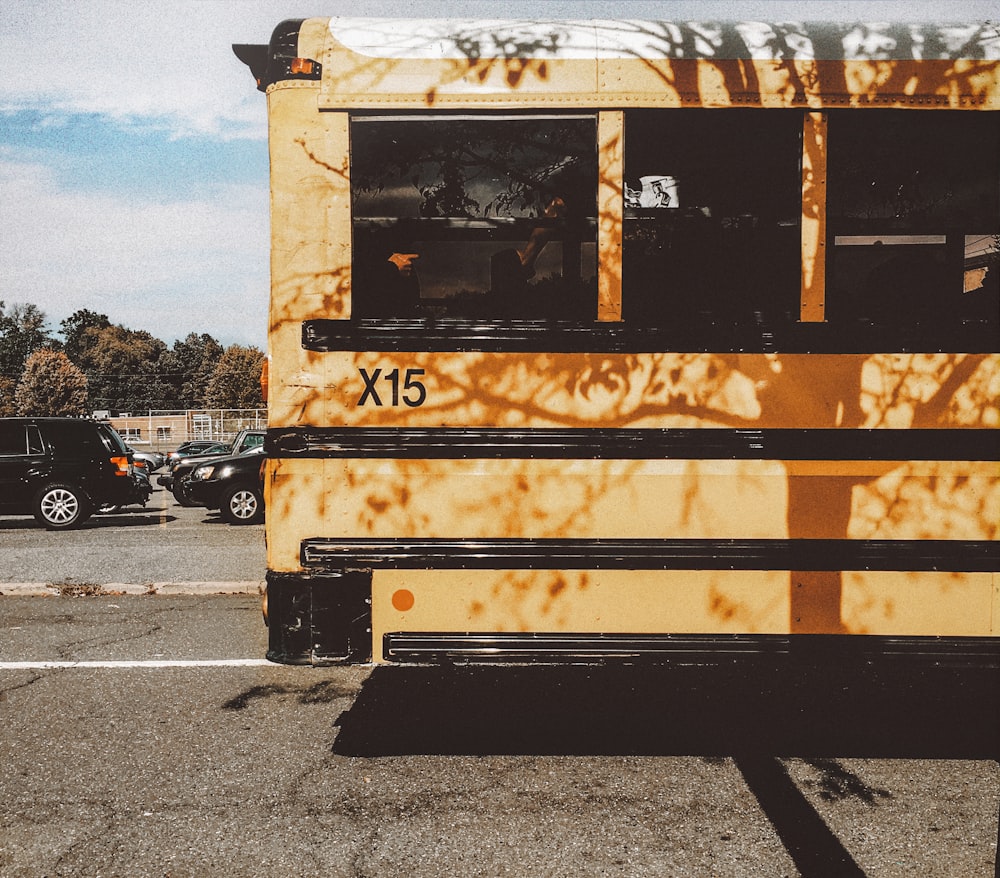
(133,151)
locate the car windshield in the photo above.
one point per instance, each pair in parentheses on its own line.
(241,445)
(112,440)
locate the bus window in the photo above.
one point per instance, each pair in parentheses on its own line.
(485,217)
(913,214)
(712,211)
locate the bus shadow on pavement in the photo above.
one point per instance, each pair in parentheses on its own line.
(896,711)
(751,713)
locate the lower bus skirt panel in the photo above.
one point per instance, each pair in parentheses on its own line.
(606,600)
(323,619)
(320,619)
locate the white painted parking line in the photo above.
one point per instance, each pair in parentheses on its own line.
(163,510)
(139,663)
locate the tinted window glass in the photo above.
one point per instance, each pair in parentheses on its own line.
(73,437)
(252,440)
(35,444)
(474,217)
(712,215)
(913,211)
(112,440)
(12,439)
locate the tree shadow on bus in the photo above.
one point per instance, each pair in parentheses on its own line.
(895,711)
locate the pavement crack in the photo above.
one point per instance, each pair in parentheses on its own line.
(69,651)
(6,690)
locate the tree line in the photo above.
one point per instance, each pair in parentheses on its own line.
(100,366)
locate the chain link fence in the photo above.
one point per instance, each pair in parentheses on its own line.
(165,430)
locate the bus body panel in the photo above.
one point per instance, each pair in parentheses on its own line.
(592,481)
(525,499)
(641,390)
(608,602)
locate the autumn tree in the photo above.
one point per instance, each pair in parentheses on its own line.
(51,386)
(8,408)
(79,330)
(123,366)
(235,383)
(188,368)
(23,330)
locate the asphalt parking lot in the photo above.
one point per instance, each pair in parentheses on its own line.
(145,734)
(163,546)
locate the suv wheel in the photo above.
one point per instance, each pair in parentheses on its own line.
(59,506)
(242,505)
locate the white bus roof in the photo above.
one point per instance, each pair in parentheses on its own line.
(444,39)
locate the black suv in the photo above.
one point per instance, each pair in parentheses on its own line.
(175,478)
(61,470)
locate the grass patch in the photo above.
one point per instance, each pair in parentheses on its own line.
(79,589)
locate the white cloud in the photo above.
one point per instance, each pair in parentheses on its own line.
(194,264)
(148,265)
(167,63)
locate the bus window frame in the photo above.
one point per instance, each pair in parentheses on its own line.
(475,229)
(813,330)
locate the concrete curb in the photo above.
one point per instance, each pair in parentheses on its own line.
(75,589)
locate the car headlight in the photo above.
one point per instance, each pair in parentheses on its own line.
(211,471)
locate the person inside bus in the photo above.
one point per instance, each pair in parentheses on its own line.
(510,270)
(384,276)
(564,198)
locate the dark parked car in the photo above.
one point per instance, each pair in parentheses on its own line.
(150,460)
(62,470)
(175,458)
(195,446)
(143,489)
(173,478)
(230,484)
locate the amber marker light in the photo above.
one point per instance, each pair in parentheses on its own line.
(403,600)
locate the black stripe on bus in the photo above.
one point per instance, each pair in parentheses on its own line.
(651,554)
(444,335)
(844,651)
(631,444)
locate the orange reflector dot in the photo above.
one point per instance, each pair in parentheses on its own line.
(402,600)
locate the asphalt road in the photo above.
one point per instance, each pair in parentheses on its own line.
(160,544)
(144,735)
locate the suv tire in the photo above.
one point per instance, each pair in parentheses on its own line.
(242,505)
(59,506)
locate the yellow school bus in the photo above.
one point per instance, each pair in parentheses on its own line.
(597,340)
